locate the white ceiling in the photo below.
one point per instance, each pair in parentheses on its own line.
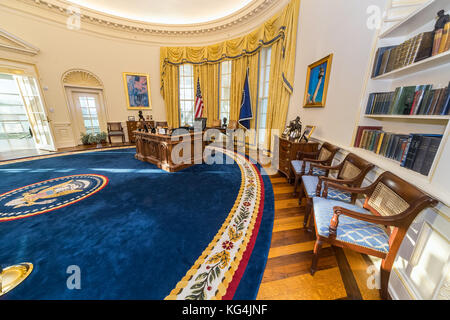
(166,11)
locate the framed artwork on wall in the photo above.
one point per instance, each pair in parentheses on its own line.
(137,91)
(317,79)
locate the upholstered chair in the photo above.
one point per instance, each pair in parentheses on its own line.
(232,125)
(378,228)
(115,129)
(324,156)
(216,124)
(350,172)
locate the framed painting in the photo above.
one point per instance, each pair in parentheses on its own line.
(317,79)
(137,91)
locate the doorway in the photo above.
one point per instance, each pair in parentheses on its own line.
(23,121)
(87,110)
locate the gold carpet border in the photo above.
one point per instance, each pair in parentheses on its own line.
(61,154)
(228,276)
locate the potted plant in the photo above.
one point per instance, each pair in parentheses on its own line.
(90,138)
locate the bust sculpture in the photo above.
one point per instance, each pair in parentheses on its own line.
(441,20)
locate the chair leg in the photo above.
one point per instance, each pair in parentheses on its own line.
(315,259)
(384,281)
(311,221)
(109,138)
(297,178)
(308,210)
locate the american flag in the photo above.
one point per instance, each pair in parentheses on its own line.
(198,102)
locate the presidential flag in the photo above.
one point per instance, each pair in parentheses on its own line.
(246,113)
(198,102)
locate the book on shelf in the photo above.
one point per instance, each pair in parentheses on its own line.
(413,151)
(444,39)
(359,133)
(410,100)
(415,49)
(437,41)
(447,44)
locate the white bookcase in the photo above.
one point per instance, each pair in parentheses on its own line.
(434,70)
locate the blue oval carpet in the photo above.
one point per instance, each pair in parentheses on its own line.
(132,231)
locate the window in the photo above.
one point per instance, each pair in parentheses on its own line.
(186,95)
(225,85)
(263,94)
(90,116)
(13,117)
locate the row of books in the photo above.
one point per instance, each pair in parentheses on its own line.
(412,50)
(410,100)
(414,151)
(441,41)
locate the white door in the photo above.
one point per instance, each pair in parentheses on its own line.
(37,116)
(89,113)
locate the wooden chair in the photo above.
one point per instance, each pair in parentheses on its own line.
(115,129)
(162,124)
(232,125)
(378,228)
(323,156)
(351,172)
(216,124)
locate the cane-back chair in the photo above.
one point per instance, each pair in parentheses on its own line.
(323,156)
(351,172)
(378,228)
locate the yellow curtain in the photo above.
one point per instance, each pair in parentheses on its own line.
(209,84)
(170,94)
(280,32)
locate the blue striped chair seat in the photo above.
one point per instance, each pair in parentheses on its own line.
(297,165)
(310,183)
(350,230)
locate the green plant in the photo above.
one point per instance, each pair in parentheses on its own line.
(89,138)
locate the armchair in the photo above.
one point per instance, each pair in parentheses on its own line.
(351,172)
(376,229)
(324,156)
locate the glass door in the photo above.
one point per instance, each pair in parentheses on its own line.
(37,117)
(89,113)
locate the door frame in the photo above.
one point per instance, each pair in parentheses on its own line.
(70,90)
(22,68)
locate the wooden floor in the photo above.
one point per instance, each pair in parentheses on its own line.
(342,273)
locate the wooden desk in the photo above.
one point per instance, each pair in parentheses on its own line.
(157,149)
(288,152)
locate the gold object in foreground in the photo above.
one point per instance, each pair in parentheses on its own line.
(12,276)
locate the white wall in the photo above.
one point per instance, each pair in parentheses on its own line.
(343,32)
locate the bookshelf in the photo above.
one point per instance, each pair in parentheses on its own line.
(434,70)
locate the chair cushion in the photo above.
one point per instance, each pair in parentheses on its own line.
(350,230)
(297,165)
(310,183)
(115,133)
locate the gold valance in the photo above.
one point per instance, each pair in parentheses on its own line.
(279,27)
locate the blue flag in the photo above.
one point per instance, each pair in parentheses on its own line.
(246,113)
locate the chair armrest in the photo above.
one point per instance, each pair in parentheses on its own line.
(304,153)
(365,191)
(340,181)
(386,221)
(321,166)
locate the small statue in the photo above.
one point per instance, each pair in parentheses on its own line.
(441,20)
(224,122)
(294,130)
(143,124)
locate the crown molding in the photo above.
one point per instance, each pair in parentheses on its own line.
(95,20)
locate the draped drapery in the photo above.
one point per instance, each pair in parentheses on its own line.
(280,32)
